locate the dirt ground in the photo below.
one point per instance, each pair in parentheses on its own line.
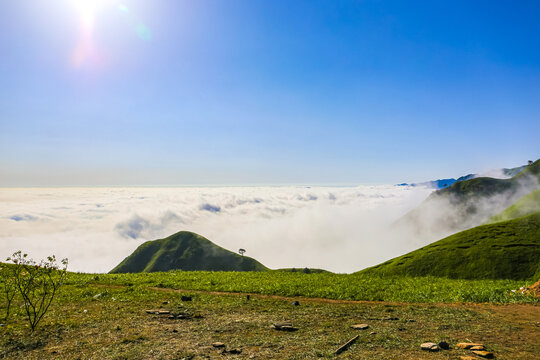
(116,326)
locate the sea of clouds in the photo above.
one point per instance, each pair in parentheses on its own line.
(342,229)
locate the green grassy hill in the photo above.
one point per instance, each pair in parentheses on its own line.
(503,250)
(528,204)
(185,251)
(468,203)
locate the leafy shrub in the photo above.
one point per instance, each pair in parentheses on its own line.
(36,283)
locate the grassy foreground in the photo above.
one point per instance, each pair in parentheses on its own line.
(322,285)
(103,317)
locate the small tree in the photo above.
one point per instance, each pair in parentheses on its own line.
(8,288)
(37,284)
(241,251)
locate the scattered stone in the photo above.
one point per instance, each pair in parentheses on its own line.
(360,326)
(186,298)
(372,333)
(345,346)
(468,358)
(165,302)
(468,345)
(484,354)
(429,346)
(158,312)
(97,296)
(478,348)
(444,345)
(296,303)
(284,327)
(218,345)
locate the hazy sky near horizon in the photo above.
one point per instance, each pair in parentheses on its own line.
(135,92)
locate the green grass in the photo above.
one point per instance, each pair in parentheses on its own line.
(528,204)
(322,285)
(503,250)
(186,251)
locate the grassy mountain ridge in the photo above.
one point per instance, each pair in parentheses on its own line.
(185,251)
(468,203)
(503,250)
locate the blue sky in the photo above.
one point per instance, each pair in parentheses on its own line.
(265,92)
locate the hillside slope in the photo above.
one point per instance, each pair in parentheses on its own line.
(468,203)
(503,250)
(528,204)
(185,251)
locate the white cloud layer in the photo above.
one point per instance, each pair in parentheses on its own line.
(339,229)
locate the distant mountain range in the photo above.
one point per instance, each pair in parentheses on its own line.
(443,183)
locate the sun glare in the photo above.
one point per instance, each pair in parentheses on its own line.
(87,9)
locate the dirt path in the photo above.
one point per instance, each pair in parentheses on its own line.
(528,311)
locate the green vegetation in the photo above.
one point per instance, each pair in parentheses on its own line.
(185,251)
(503,250)
(528,204)
(359,286)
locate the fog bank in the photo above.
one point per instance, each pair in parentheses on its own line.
(341,229)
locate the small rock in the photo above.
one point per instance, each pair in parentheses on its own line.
(218,345)
(468,358)
(97,296)
(296,303)
(360,326)
(186,298)
(175,331)
(484,354)
(165,302)
(468,345)
(429,346)
(444,345)
(284,327)
(372,333)
(478,348)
